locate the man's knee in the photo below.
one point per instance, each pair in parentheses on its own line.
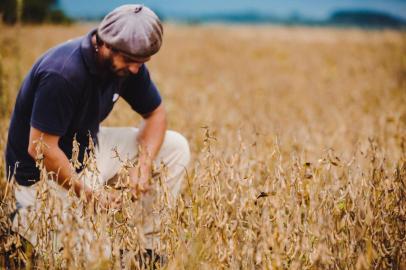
(177,147)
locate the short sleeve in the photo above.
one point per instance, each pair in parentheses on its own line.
(53,105)
(141,93)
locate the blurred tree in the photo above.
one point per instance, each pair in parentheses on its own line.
(33,11)
(8,10)
(366,18)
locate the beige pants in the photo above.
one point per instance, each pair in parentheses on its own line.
(174,154)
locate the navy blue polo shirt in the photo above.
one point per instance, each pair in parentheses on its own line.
(67,94)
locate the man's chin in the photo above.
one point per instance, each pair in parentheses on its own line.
(121,73)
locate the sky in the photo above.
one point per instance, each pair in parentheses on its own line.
(313,9)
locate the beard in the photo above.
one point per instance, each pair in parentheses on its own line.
(108,67)
(123,72)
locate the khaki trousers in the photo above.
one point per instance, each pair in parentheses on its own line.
(174,154)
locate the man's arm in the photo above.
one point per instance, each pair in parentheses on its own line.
(55,160)
(150,138)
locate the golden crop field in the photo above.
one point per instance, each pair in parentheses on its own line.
(298,140)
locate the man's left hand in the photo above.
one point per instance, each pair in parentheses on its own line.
(139,182)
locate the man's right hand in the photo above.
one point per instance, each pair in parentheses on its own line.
(45,146)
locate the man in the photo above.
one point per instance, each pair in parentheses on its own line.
(71,89)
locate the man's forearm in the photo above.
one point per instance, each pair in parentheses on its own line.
(150,138)
(55,160)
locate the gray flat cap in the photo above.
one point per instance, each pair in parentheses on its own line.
(133,29)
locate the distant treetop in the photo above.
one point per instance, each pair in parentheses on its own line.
(31,11)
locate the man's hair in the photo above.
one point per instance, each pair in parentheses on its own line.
(99,41)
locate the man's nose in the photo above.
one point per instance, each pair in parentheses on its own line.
(134,68)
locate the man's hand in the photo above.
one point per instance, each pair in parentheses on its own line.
(56,161)
(108,199)
(139,181)
(150,138)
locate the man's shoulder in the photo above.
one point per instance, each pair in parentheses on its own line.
(65,60)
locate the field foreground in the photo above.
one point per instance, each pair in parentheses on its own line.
(298,139)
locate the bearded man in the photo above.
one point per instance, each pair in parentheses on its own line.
(71,89)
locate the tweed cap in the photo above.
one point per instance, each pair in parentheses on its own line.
(132,29)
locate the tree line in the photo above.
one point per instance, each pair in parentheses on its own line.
(31,11)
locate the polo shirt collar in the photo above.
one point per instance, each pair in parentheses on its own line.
(88,53)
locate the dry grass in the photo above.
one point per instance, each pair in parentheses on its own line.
(298,139)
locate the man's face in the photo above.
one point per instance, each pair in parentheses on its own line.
(120,64)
